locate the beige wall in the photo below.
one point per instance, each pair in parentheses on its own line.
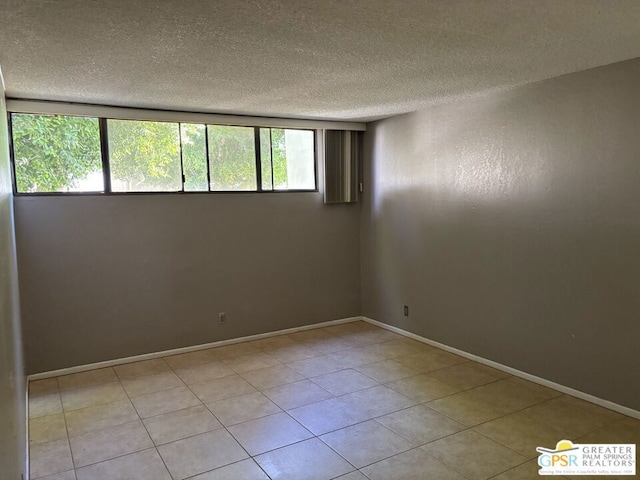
(109,277)
(12,377)
(510,224)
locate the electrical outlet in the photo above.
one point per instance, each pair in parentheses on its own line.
(222,318)
(406,310)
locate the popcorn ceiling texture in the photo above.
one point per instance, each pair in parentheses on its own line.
(329,59)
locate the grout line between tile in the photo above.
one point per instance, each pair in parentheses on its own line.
(64,418)
(226,429)
(302,344)
(146,430)
(117,456)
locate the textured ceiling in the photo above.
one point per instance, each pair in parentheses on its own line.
(330,59)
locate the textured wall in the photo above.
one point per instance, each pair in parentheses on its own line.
(510,224)
(108,277)
(12,381)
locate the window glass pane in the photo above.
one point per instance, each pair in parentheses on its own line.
(293,159)
(57,153)
(232,161)
(194,157)
(301,170)
(279,159)
(265,160)
(144,156)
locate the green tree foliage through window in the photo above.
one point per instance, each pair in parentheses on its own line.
(287,158)
(55,153)
(232,158)
(144,156)
(194,157)
(274,158)
(58,153)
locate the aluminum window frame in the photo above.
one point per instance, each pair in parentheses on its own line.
(27,107)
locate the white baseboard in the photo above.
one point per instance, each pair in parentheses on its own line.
(518,373)
(176,351)
(498,366)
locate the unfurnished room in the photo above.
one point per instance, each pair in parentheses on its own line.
(317,240)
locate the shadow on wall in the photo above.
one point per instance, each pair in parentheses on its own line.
(116,276)
(556,301)
(511,236)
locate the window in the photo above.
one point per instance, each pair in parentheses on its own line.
(56,153)
(287,159)
(144,156)
(193,139)
(232,158)
(65,154)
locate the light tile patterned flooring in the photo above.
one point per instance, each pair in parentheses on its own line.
(350,401)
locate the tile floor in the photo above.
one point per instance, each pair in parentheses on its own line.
(351,401)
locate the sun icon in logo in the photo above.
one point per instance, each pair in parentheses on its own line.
(561,446)
(564,445)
